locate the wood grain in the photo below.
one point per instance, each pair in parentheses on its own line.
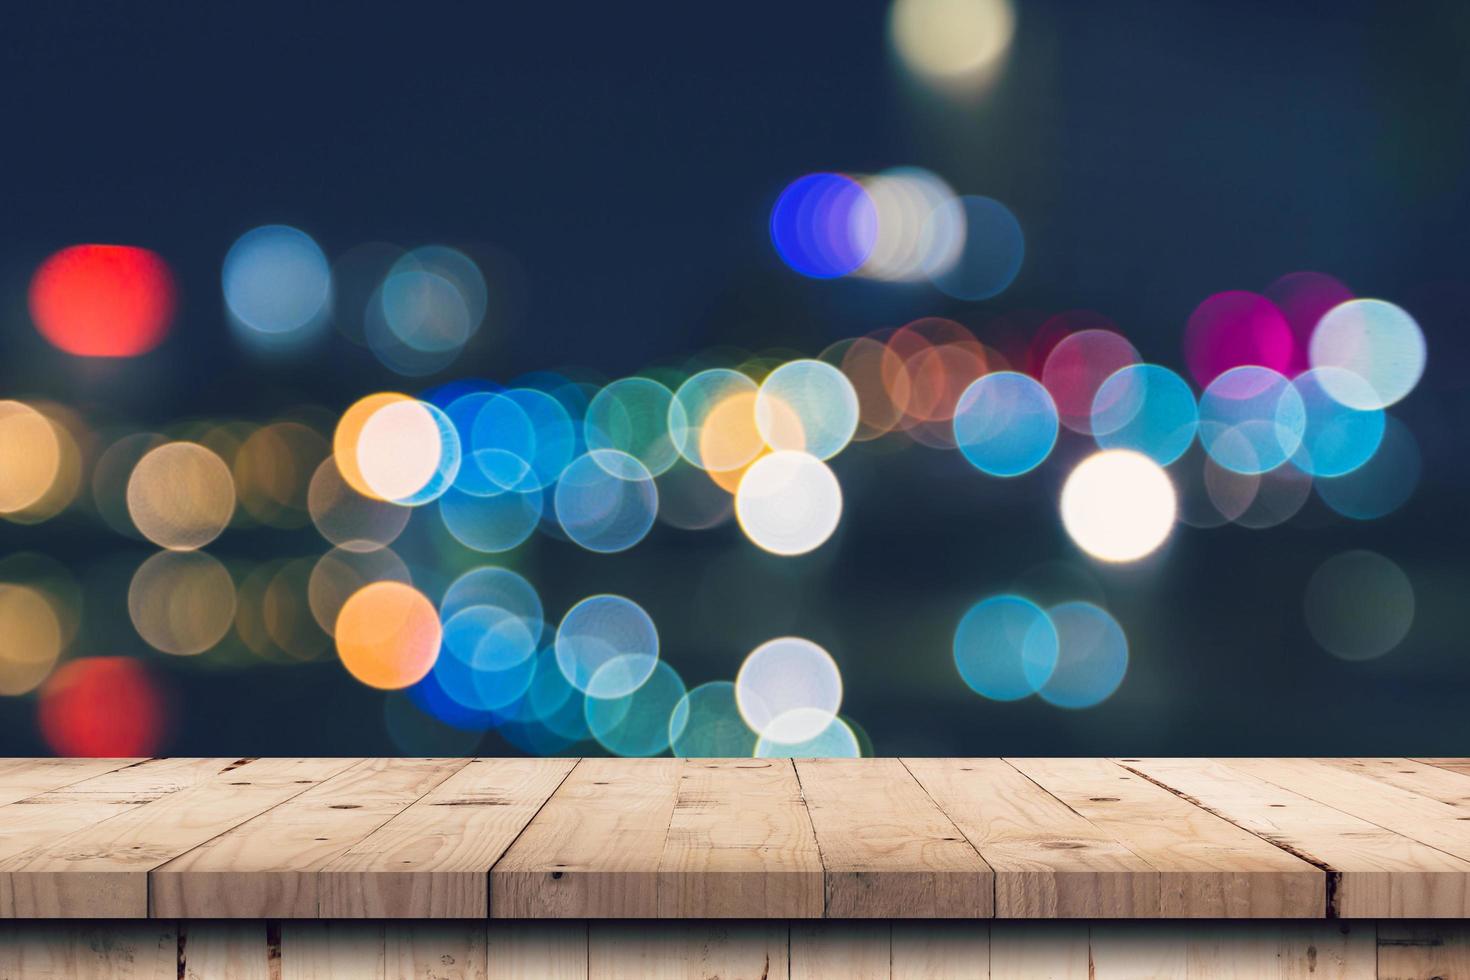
(940,950)
(678,950)
(1208,867)
(888,850)
(1049,861)
(545,950)
(851,950)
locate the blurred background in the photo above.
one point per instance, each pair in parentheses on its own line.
(486,215)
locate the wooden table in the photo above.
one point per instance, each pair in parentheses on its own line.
(902,868)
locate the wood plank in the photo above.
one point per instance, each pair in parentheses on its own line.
(1416,777)
(1414,951)
(89,951)
(1039,950)
(333,951)
(850,950)
(940,950)
(1137,951)
(270,867)
(1049,861)
(101,870)
(436,950)
(595,848)
(529,950)
(1457,764)
(1283,951)
(1208,867)
(1377,872)
(210,950)
(678,950)
(1429,821)
(433,860)
(740,844)
(22,778)
(888,850)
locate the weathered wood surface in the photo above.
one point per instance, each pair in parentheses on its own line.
(887,839)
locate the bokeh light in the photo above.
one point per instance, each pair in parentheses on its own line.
(706,724)
(499,523)
(1251,419)
(1005,424)
(1304,298)
(1076,370)
(606,501)
(1383,484)
(906,243)
(607,646)
(30,456)
(807,406)
(1233,329)
(788,503)
(349,432)
(182,602)
(104,707)
(492,585)
(631,415)
(824,225)
(388,635)
(637,724)
(349,519)
(934,360)
(1275,497)
(837,741)
(408,452)
(1118,505)
(873,370)
(721,401)
(1336,438)
(181,496)
(788,690)
(278,287)
(341,572)
(1092,656)
(1359,605)
(487,662)
(433,300)
(689,500)
(952,43)
(1148,409)
(1370,340)
(30,638)
(1005,647)
(103,300)
(73,440)
(273,470)
(990,258)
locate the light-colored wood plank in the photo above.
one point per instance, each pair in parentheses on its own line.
(433,860)
(1208,867)
(595,848)
(1137,951)
(210,950)
(1038,950)
(888,850)
(436,950)
(680,950)
(940,950)
(1457,764)
(89,951)
(850,950)
(1410,951)
(530,950)
(1412,814)
(270,867)
(1281,951)
(740,844)
(333,951)
(101,870)
(22,778)
(1377,872)
(1416,777)
(1049,862)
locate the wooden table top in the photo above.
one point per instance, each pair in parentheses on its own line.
(734,838)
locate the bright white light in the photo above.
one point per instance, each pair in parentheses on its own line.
(951,41)
(399,449)
(1118,505)
(788,503)
(788,690)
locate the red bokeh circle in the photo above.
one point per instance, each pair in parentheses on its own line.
(103,300)
(103,706)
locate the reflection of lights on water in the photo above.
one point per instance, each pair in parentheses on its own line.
(1233,329)
(1005,647)
(182,602)
(347,518)
(808,406)
(1092,656)
(103,300)
(1005,424)
(1251,419)
(1118,505)
(1076,370)
(606,646)
(1359,605)
(278,287)
(181,496)
(408,452)
(388,635)
(637,723)
(788,690)
(951,43)
(632,416)
(1381,485)
(706,724)
(824,225)
(788,503)
(101,707)
(30,456)
(1376,342)
(992,251)
(1336,438)
(836,741)
(606,501)
(1148,409)
(30,638)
